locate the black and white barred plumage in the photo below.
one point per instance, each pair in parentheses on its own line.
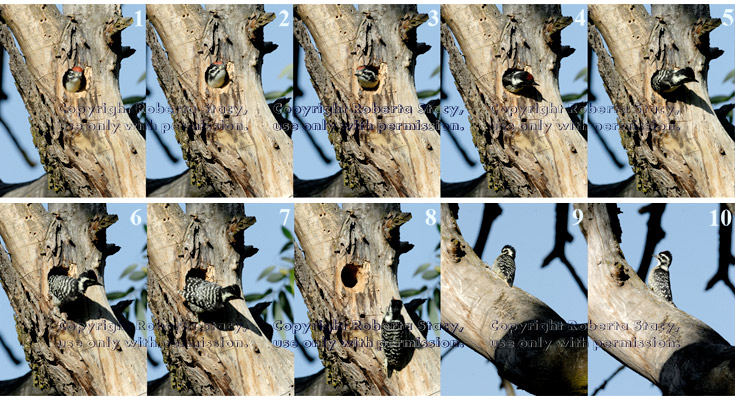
(505,265)
(216,75)
(202,296)
(658,277)
(367,77)
(393,333)
(65,289)
(668,80)
(517,80)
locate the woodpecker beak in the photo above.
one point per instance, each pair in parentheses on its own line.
(356,74)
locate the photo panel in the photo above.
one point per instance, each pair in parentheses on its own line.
(661,100)
(219,84)
(659,278)
(221,280)
(71,101)
(368,314)
(515,299)
(513,98)
(74,283)
(366,100)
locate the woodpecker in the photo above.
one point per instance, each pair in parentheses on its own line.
(73,80)
(393,333)
(658,277)
(216,75)
(65,289)
(668,80)
(505,265)
(118,309)
(202,296)
(516,80)
(367,77)
(420,324)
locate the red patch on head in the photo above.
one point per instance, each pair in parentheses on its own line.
(529,77)
(77,69)
(217,63)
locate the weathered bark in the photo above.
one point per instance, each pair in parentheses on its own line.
(70,239)
(163,387)
(107,160)
(542,354)
(685,151)
(347,274)
(331,186)
(527,154)
(178,186)
(23,386)
(680,354)
(207,242)
(35,188)
(473,188)
(387,160)
(239,155)
(316,385)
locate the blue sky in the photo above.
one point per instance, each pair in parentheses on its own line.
(12,166)
(418,231)
(454,168)
(465,372)
(601,168)
(279,31)
(693,245)
(307,163)
(131,238)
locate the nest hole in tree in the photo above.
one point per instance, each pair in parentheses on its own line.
(349,275)
(58,270)
(196,273)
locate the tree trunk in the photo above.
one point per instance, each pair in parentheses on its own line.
(680,354)
(529,154)
(347,273)
(542,354)
(207,242)
(70,239)
(685,151)
(237,150)
(389,146)
(96,154)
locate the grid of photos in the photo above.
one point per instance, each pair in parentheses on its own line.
(334,199)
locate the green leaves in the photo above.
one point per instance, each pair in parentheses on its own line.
(140,306)
(257,296)
(412,292)
(431,274)
(128,270)
(266,272)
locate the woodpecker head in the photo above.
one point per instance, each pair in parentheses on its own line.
(231,292)
(508,250)
(367,77)
(73,80)
(87,279)
(516,80)
(666,81)
(664,260)
(394,310)
(683,75)
(216,75)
